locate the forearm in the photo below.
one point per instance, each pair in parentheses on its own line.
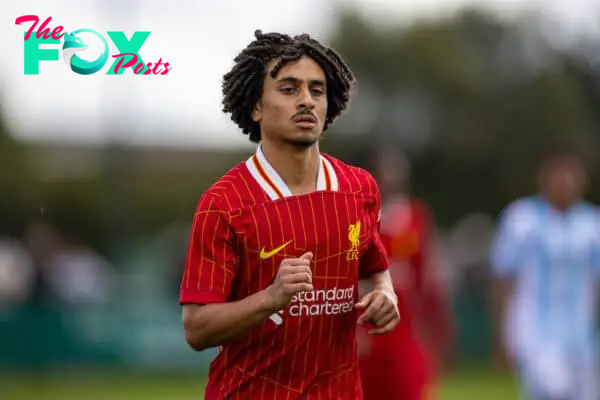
(381,280)
(217,323)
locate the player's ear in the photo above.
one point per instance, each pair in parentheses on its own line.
(257,112)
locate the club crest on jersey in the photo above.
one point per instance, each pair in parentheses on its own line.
(354,237)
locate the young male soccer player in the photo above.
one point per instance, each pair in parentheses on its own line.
(279,243)
(402,364)
(546,260)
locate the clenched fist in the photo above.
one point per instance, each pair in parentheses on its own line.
(294,276)
(380,308)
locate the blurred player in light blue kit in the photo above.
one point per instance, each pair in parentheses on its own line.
(546,263)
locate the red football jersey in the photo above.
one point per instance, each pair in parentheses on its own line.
(406,233)
(398,365)
(244,226)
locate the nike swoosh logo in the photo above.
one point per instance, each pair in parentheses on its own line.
(268,254)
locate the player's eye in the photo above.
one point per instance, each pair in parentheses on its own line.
(287,90)
(317,91)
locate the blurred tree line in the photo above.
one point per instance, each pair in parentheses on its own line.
(472,99)
(15,181)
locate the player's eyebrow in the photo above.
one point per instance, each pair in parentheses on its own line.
(295,81)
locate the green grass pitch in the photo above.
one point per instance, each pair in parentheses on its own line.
(472,384)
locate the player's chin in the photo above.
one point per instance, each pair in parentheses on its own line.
(303,138)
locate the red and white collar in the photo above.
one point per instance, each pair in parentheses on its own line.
(270,181)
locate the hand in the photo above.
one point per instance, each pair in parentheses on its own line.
(294,276)
(380,309)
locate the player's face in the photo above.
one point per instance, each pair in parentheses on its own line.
(564,183)
(392,180)
(393,175)
(293,106)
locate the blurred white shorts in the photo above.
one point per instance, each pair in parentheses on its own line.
(550,373)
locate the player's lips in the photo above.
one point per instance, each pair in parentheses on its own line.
(305,121)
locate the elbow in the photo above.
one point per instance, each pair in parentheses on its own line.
(195,339)
(194,327)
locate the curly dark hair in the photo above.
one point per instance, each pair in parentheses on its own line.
(243,85)
(559,154)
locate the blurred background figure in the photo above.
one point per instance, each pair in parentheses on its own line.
(404,364)
(16,274)
(70,273)
(546,263)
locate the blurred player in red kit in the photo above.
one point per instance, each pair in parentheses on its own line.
(279,243)
(403,363)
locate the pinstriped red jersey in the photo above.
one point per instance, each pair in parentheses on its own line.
(244,226)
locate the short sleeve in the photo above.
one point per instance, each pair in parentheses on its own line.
(508,244)
(211,261)
(375,259)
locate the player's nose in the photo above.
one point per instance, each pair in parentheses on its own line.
(306,100)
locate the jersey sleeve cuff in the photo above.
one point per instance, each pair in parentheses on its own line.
(367,272)
(201,297)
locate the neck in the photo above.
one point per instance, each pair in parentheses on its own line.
(559,205)
(398,198)
(298,167)
(394,196)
